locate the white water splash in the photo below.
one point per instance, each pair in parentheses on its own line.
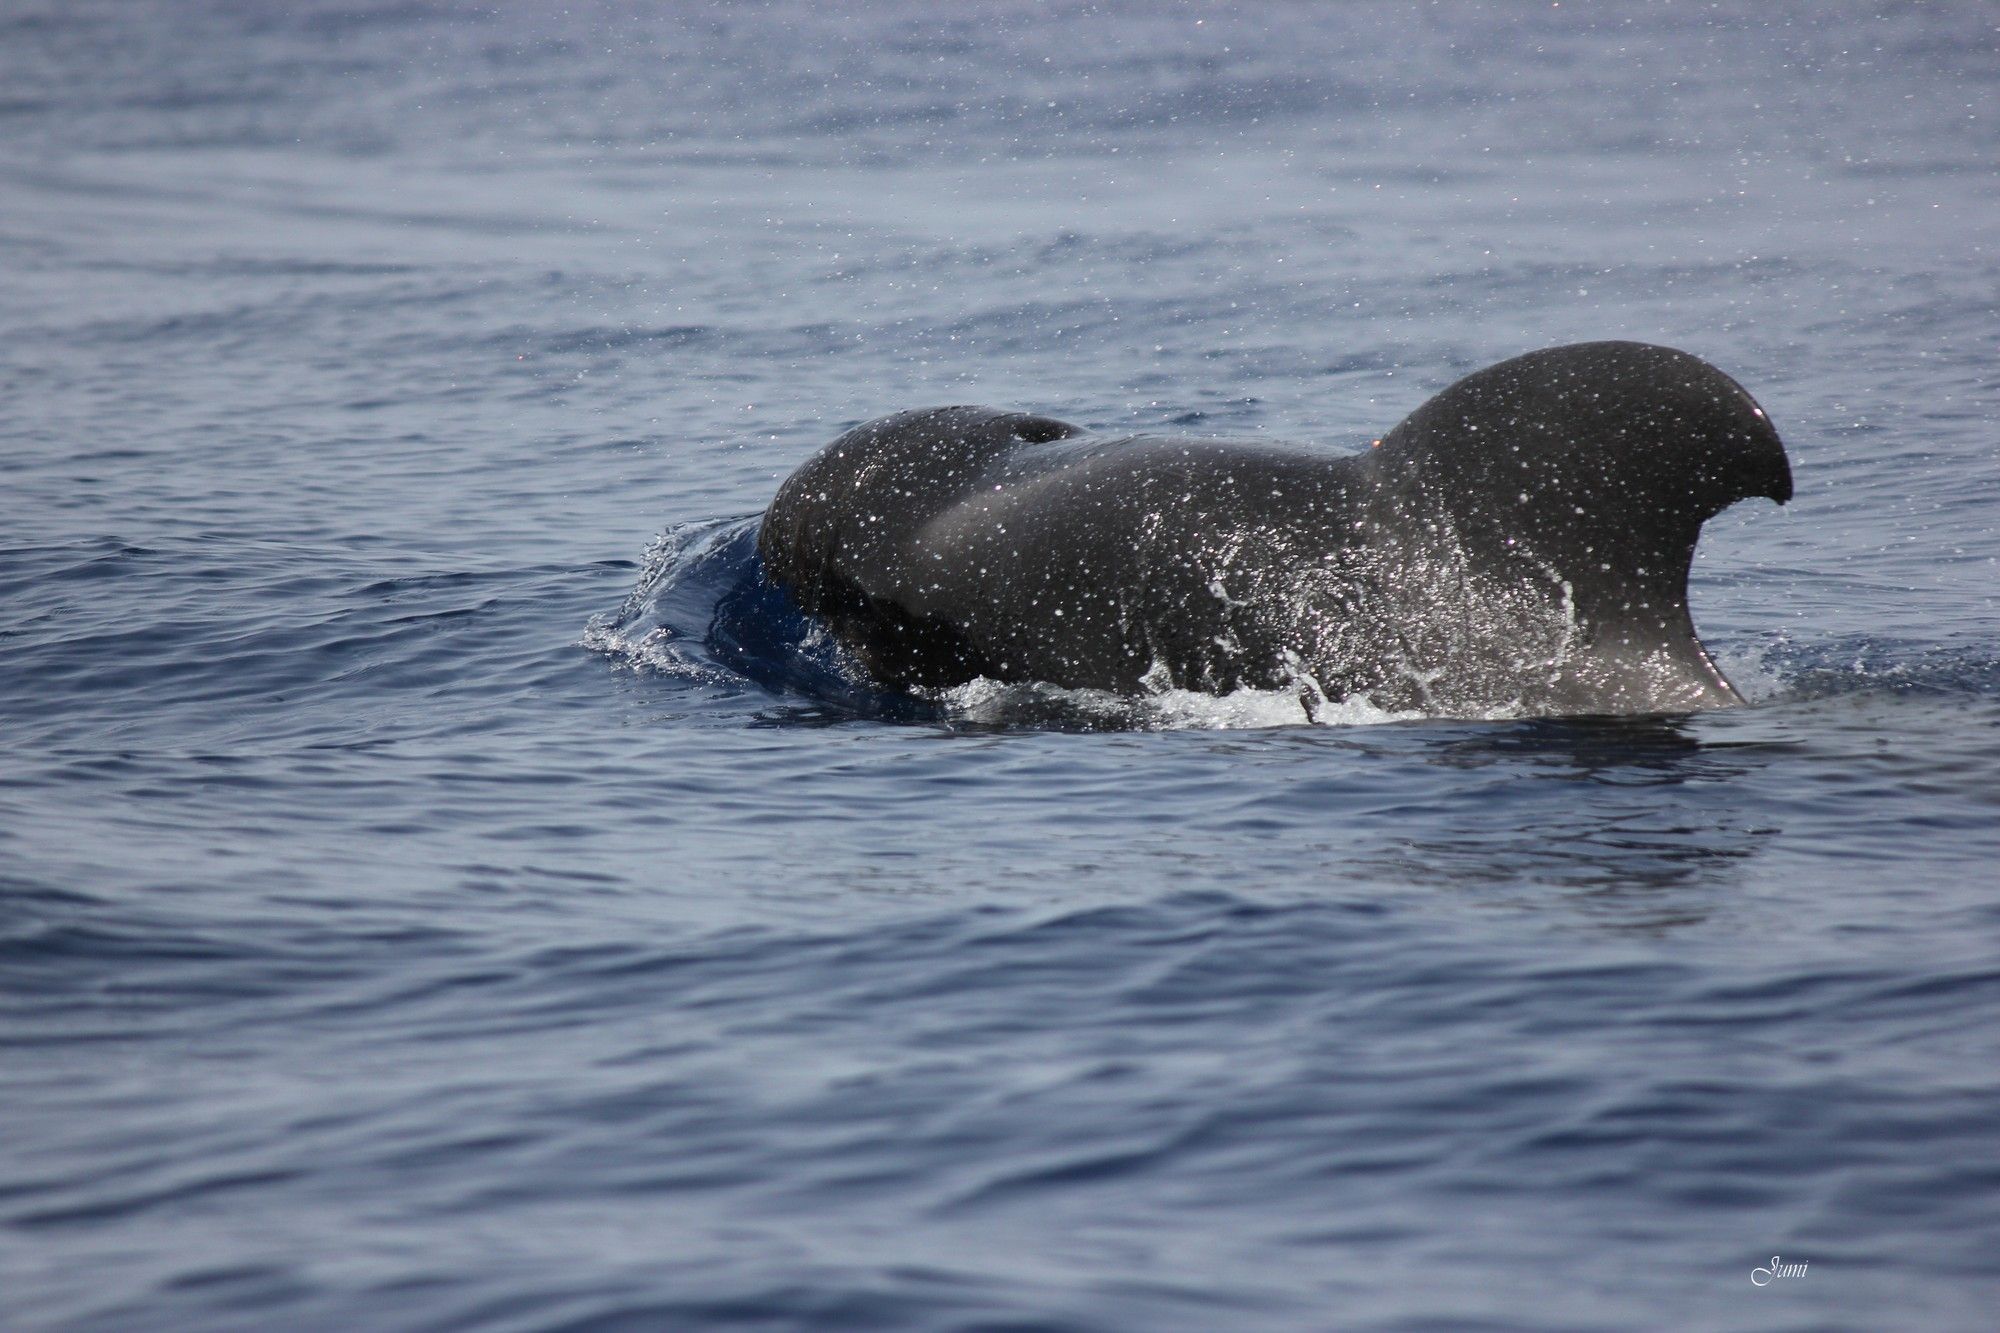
(988,702)
(636,635)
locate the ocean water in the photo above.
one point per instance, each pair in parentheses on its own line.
(433,896)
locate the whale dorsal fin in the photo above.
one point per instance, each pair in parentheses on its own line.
(1595,465)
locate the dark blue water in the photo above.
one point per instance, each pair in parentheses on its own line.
(431,898)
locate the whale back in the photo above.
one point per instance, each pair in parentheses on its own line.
(1518,544)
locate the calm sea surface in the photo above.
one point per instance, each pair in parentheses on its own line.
(430,900)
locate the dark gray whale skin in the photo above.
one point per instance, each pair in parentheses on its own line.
(1518,545)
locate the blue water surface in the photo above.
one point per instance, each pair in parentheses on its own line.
(439,889)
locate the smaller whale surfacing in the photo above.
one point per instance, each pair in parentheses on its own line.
(1517,546)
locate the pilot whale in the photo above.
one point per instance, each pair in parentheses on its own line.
(1518,545)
